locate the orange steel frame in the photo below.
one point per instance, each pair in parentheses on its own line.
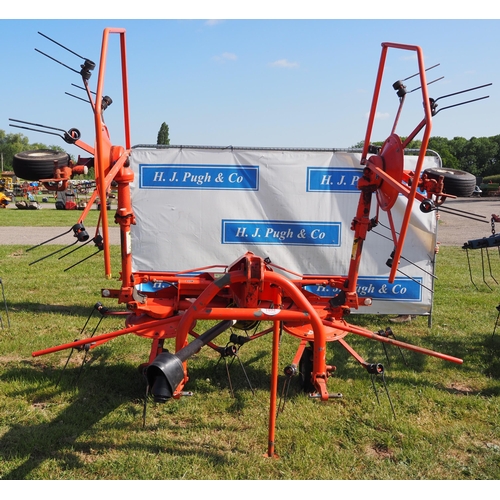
(250,289)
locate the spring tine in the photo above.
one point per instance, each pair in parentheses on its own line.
(75,249)
(482,264)
(281,403)
(229,378)
(53,253)
(71,352)
(59,62)
(88,319)
(464,91)
(401,352)
(403,356)
(77,97)
(389,333)
(462,103)
(80,261)
(245,373)
(470,269)
(82,88)
(489,266)
(386,355)
(388,395)
(284,394)
(46,241)
(5,304)
(145,406)
(37,130)
(404,258)
(496,322)
(60,45)
(36,125)
(372,377)
(81,367)
(454,212)
(428,83)
(416,74)
(87,350)
(415,281)
(64,368)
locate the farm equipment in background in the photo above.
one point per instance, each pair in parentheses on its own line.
(4,199)
(251,292)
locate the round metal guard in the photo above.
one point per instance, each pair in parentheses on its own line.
(392,154)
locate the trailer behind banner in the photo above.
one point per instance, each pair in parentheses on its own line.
(197,206)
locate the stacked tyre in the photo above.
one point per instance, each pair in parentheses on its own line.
(38,164)
(456,182)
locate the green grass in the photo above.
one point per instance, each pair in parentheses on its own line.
(48,217)
(58,423)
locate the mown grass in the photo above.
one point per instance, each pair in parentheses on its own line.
(74,423)
(48,217)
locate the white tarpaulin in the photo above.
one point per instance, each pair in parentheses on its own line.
(198,207)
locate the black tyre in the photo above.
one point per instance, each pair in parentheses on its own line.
(456,182)
(38,164)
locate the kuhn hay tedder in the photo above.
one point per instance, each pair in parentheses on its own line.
(251,291)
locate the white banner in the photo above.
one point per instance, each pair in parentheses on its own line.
(198,207)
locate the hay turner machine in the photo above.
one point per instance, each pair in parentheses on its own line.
(250,290)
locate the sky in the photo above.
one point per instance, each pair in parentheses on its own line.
(247,82)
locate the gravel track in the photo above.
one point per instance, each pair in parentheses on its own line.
(36,235)
(453,230)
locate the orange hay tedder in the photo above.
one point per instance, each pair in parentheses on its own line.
(251,289)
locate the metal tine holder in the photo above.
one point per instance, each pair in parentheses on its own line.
(80,234)
(104,312)
(483,244)
(377,370)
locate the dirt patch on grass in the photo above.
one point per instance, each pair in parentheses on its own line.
(380,451)
(461,388)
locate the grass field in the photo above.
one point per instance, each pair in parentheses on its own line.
(85,421)
(49,217)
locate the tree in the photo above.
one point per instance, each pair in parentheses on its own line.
(11,144)
(415,144)
(443,147)
(163,137)
(480,156)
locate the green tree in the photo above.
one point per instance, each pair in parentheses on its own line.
(480,156)
(415,144)
(163,137)
(494,166)
(443,148)
(11,144)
